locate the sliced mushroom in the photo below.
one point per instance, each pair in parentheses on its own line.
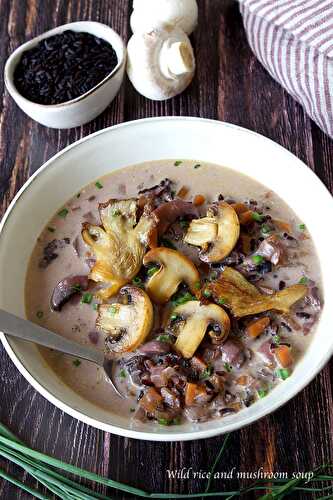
(244,299)
(216,234)
(174,268)
(127,325)
(66,288)
(196,318)
(119,245)
(167,213)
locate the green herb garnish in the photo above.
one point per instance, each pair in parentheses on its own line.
(182,299)
(152,270)
(164,338)
(77,287)
(137,280)
(207,372)
(276,339)
(51,229)
(113,310)
(122,373)
(265,229)
(227,367)
(76,362)
(303,281)
(132,410)
(174,317)
(283,373)
(78,195)
(302,227)
(207,293)
(257,259)
(87,298)
(221,301)
(39,314)
(166,421)
(165,242)
(197,285)
(95,307)
(262,393)
(99,185)
(184,224)
(257,217)
(116,213)
(177,163)
(63,213)
(197,166)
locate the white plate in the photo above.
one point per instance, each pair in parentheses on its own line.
(152,139)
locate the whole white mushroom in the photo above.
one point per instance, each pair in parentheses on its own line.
(156,14)
(160,64)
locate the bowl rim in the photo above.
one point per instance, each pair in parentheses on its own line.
(138,434)
(9,80)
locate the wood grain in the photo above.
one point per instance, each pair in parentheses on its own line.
(230,85)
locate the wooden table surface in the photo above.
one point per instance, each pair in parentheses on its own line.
(230,85)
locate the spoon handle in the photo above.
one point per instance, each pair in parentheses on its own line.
(26,330)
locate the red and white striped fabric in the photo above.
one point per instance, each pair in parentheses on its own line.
(293,39)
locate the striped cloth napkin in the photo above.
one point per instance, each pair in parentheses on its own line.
(293,39)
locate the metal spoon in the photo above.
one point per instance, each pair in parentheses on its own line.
(26,330)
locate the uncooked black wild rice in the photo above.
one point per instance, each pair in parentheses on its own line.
(63,67)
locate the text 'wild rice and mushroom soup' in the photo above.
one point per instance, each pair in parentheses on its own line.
(203,286)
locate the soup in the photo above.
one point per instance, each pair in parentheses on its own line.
(201,284)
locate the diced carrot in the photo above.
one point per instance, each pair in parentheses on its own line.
(256,328)
(246,243)
(239,208)
(282,225)
(198,200)
(242,380)
(284,356)
(192,391)
(182,193)
(151,400)
(245,217)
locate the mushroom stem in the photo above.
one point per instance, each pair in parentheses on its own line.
(176,59)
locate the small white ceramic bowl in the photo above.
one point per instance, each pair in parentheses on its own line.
(84,108)
(153,139)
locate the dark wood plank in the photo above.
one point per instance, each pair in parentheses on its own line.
(230,85)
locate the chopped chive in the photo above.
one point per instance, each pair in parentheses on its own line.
(207,293)
(207,373)
(265,229)
(257,217)
(76,287)
(76,362)
(51,229)
(262,393)
(283,373)
(132,410)
(166,421)
(173,317)
(87,298)
(177,163)
(113,309)
(78,195)
(303,281)
(95,307)
(257,259)
(302,227)
(63,213)
(197,285)
(165,242)
(276,339)
(122,373)
(137,280)
(221,301)
(213,275)
(99,185)
(228,367)
(182,299)
(197,166)
(164,338)
(39,314)
(152,270)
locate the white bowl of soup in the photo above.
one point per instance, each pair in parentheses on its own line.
(235,266)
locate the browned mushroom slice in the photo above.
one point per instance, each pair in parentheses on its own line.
(195,320)
(66,288)
(174,269)
(216,234)
(127,325)
(119,245)
(244,299)
(167,213)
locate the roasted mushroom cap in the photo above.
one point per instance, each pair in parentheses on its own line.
(119,245)
(244,299)
(196,319)
(66,288)
(126,325)
(216,234)
(174,268)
